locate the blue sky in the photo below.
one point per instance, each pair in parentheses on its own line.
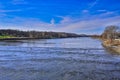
(76,16)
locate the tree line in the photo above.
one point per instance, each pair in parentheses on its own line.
(36,34)
(110,32)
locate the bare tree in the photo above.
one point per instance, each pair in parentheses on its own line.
(110,32)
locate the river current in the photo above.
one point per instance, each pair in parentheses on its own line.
(57,59)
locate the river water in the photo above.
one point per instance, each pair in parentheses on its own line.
(57,59)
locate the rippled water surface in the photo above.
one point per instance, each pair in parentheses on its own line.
(57,59)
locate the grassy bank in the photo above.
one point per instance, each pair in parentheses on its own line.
(115,42)
(6,36)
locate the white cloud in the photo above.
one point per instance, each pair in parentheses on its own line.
(91,24)
(65,19)
(52,21)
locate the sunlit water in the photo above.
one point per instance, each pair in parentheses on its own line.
(57,59)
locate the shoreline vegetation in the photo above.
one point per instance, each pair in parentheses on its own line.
(5,36)
(8,34)
(111,38)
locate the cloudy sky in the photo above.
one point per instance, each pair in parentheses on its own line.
(76,16)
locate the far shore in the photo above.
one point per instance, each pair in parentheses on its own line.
(8,34)
(27,38)
(18,38)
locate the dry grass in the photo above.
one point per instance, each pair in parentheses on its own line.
(115,42)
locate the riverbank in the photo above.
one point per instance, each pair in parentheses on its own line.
(16,38)
(6,36)
(113,45)
(26,35)
(28,38)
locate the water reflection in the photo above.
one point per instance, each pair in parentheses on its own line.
(62,43)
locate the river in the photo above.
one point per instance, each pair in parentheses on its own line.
(57,59)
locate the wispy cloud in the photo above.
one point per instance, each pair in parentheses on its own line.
(26,24)
(90,25)
(101,10)
(17,2)
(93,4)
(4,11)
(65,19)
(52,21)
